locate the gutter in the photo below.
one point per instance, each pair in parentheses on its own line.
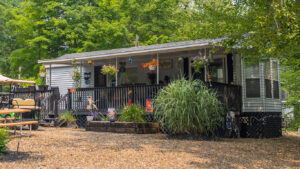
(126,54)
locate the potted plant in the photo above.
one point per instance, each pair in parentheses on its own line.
(111,71)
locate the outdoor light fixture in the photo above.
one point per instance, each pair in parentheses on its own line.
(87,76)
(90,62)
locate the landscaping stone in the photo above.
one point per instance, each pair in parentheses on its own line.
(122,127)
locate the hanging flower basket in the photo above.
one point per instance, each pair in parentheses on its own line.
(109,70)
(150,65)
(199,62)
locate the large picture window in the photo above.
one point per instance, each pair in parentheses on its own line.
(217,71)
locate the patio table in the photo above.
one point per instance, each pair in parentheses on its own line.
(21,111)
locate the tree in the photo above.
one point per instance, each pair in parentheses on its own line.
(257,29)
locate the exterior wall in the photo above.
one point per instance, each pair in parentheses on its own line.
(259,104)
(174,72)
(61,77)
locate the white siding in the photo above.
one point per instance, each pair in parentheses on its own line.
(87,69)
(61,77)
(261,104)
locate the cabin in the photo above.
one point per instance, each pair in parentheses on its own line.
(250,93)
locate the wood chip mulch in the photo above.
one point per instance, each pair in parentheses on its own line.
(76,148)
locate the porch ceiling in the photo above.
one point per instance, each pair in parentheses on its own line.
(133,51)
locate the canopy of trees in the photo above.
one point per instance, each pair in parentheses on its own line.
(41,29)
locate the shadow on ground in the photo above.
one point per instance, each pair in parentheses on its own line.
(229,153)
(13,156)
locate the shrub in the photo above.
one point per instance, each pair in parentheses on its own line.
(68,117)
(3,140)
(188,107)
(293,118)
(132,113)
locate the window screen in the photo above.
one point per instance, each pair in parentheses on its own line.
(275,79)
(252,88)
(252,81)
(276,89)
(268,88)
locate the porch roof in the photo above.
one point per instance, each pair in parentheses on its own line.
(133,51)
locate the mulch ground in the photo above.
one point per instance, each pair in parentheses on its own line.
(76,148)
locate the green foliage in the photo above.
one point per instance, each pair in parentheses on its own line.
(32,30)
(188,107)
(109,70)
(199,62)
(68,117)
(293,118)
(76,75)
(3,140)
(132,113)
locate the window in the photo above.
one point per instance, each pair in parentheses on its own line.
(271,79)
(268,82)
(252,88)
(275,79)
(128,77)
(217,71)
(252,81)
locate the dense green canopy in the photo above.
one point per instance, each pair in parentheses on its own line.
(40,29)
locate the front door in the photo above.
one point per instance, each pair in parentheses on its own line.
(100,79)
(100,94)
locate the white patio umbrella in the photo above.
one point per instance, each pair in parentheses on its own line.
(8,80)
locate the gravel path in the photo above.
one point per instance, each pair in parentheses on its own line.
(76,148)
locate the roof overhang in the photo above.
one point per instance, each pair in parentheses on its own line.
(133,53)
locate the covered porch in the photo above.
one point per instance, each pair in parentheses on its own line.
(138,84)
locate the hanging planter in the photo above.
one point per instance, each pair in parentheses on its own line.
(150,65)
(111,71)
(199,62)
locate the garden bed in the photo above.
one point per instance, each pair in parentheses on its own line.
(122,127)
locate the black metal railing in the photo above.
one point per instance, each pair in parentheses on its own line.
(110,97)
(117,97)
(45,100)
(229,95)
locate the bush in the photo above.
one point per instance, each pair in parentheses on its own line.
(3,140)
(132,113)
(293,118)
(188,107)
(68,117)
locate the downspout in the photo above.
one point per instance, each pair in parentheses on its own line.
(50,74)
(157,72)
(117,71)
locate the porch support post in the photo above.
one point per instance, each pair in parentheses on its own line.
(205,68)
(157,67)
(50,74)
(117,72)
(80,74)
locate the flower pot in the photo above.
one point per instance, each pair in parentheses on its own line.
(89,118)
